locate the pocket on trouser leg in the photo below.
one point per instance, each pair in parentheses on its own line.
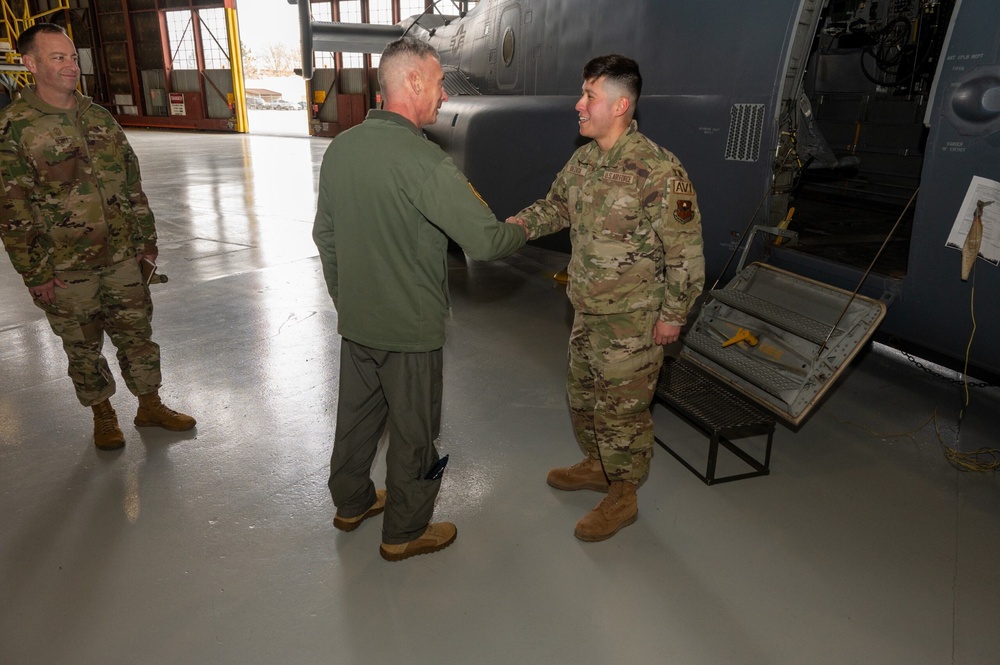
(624,423)
(87,366)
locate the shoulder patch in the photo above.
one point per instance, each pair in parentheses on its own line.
(681,186)
(684,211)
(478,195)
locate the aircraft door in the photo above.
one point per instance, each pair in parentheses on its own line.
(507,58)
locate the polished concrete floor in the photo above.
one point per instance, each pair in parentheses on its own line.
(864,545)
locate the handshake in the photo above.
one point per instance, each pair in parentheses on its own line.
(520,222)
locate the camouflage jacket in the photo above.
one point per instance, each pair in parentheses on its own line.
(634,225)
(72,194)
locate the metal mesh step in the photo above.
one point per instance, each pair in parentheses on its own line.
(757,373)
(715,407)
(786,319)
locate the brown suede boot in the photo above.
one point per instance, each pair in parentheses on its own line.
(152,413)
(107,434)
(585,475)
(615,511)
(437,537)
(352,523)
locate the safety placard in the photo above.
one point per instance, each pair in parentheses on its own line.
(177,104)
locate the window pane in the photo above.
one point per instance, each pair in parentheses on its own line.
(454,7)
(322,11)
(181,40)
(408,8)
(214,40)
(380,12)
(350,11)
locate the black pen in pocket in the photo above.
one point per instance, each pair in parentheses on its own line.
(438,469)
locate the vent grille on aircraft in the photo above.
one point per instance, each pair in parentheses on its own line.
(455,84)
(746,123)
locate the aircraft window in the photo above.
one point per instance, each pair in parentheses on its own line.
(508,47)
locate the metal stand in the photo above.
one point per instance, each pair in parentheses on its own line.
(722,414)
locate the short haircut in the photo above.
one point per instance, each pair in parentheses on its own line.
(619,70)
(26,40)
(397,53)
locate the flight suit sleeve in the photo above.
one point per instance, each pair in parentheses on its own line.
(324,236)
(677,223)
(551,214)
(145,226)
(23,236)
(450,202)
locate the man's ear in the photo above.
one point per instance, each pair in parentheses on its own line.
(30,62)
(415,81)
(622,106)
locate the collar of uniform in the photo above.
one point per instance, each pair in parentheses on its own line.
(32,98)
(594,157)
(379,114)
(612,156)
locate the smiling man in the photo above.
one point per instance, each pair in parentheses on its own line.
(635,271)
(77,226)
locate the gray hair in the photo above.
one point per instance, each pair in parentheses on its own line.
(397,55)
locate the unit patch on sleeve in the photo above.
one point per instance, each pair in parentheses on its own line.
(477,195)
(684,211)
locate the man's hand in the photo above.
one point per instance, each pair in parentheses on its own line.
(520,222)
(664,333)
(46,292)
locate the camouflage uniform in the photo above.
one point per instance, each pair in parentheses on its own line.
(73,208)
(635,229)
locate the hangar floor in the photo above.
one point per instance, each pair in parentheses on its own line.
(864,545)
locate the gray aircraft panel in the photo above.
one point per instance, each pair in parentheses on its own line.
(937,302)
(714,73)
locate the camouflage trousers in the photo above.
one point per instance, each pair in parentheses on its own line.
(113,300)
(613,369)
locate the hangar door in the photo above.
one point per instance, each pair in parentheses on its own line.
(171,63)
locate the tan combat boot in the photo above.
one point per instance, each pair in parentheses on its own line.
(107,434)
(437,537)
(352,523)
(585,475)
(615,511)
(152,413)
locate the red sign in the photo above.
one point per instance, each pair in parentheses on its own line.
(177,104)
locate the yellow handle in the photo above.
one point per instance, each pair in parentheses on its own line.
(742,335)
